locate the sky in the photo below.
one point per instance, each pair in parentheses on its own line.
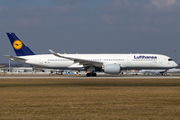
(92,26)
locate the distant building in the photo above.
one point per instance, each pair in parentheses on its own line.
(21,69)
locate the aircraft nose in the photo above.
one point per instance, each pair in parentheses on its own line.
(175,64)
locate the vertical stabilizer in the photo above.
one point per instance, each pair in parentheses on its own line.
(19,47)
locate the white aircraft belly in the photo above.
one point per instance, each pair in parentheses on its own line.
(58,64)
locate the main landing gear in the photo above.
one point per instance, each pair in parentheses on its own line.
(91,71)
(91,74)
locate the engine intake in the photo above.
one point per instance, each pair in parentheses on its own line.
(112,68)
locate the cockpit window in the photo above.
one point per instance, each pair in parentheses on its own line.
(170,60)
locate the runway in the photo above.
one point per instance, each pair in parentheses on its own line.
(84,77)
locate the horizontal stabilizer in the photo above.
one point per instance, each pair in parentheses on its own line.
(15,58)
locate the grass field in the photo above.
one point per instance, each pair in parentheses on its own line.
(88,99)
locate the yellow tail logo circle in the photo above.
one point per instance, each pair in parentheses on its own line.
(17,44)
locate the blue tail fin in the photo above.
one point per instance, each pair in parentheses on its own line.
(19,47)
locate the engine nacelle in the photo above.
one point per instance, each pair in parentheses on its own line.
(112,68)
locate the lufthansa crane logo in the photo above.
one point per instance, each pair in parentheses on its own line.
(17,44)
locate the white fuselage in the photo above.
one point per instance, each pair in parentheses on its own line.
(126,61)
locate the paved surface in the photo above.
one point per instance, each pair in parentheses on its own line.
(84,77)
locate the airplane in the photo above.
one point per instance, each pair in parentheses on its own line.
(160,72)
(91,63)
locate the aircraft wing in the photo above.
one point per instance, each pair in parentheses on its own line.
(153,71)
(174,70)
(15,58)
(1,66)
(78,60)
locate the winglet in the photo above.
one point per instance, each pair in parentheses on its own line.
(51,51)
(54,53)
(58,55)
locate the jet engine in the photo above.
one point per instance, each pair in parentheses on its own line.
(112,68)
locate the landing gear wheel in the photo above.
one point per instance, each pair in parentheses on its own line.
(88,74)
(94,74)
(91,74)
